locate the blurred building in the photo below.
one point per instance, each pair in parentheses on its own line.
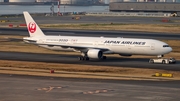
(104,1)
(77,2)
(70,1)
(113,1)
(168,7)
(46,0)
(43,1)
(22,0)
(110,1)
(80,2)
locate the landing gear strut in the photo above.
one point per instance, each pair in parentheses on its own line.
(104,57)
(83,58)
(160,56)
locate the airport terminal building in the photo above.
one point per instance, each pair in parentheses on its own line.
(166,7)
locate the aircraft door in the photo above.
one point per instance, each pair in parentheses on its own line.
(41,41)
(152,46)
(95,43)
(129,47)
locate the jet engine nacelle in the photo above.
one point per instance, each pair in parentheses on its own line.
(95,53)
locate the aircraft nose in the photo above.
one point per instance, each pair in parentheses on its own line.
(170,49)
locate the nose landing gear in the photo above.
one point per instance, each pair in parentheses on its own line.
(160,56)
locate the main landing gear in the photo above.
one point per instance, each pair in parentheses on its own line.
(85,58)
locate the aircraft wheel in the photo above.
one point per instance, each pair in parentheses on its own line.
(83,58)
(151,61)
(163,62)
(104,57)
(80,58)
(86,58)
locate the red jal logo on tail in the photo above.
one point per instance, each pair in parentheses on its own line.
(32,27)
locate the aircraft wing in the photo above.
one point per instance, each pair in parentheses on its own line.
(79,47)
(75,46)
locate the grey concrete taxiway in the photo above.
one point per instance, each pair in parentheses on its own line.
(73,59)
(95,19)
(33,88)
(123,34)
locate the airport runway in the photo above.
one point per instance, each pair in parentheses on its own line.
(28,88)
(33,88)
(73,59)
(96,19)
(125,34)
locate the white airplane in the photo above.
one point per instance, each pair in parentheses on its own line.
(94,47)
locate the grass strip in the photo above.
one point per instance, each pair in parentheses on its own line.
(166,28)
(81,70)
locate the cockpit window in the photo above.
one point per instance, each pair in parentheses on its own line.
(165,45)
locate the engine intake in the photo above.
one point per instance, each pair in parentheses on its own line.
(95,53)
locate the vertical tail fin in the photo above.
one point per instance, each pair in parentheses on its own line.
(32,27)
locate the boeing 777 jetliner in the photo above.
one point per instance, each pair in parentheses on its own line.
(94,47)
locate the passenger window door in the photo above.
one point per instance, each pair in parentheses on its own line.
(152,46)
